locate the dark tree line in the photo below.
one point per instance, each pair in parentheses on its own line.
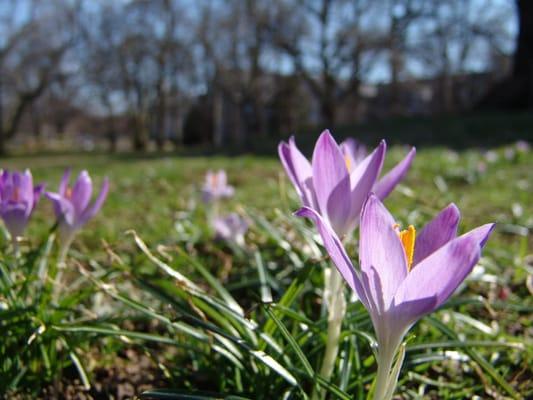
(175,71)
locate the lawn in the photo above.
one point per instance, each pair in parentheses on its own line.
(134,324)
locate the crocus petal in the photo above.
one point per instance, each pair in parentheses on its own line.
(207,197)
(81,192)
(439,231)
(387,183)
(439,274)
(15,218)
(284,153)
(339,209)
(231,227)
(92,210)
(25,188)
(329,170)
(369,167)
(299,171)
(335,250)
(4,177)
(304,174)
(63,208)
(381,248)
(373,289)
(63,185)
(481,233)
(361,179)
(228,191)
(37,192)
(222,178)
(7,188)
(403,315)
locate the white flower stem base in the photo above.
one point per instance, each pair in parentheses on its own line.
(334,296)
(16,247)
(65,241)
(387,374)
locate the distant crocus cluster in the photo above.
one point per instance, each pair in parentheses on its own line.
(230,227)
(19,196)
(216,186)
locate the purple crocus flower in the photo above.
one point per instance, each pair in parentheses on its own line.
(216,186)
(332,186)
(71,204)
(231,227)
(18,198)
(402,277)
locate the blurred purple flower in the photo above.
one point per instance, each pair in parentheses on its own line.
(332,186)
(231,227)
(403,277)
(509,153)
(18,198)
(71,204)
(491,156)
(522,146)
(216,186)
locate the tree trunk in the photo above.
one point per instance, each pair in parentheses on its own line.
(36,122)
(327,109)
(160,117)
(140,140)
(395,64)
(112,134)
(112,137)
(523,58)
(2,143)
(447,94)
(2,133)
(516,91)
(218,119)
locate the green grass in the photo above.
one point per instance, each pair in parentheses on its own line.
(479,344)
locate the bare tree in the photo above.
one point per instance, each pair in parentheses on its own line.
(235,39)
(403,16)
(146,62)
(330,46)
(454,36)
(523,59)
(100,59)
(30,60)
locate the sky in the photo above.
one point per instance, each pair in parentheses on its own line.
(19,10)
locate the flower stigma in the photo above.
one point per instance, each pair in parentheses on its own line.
(348,162)
(408,239)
